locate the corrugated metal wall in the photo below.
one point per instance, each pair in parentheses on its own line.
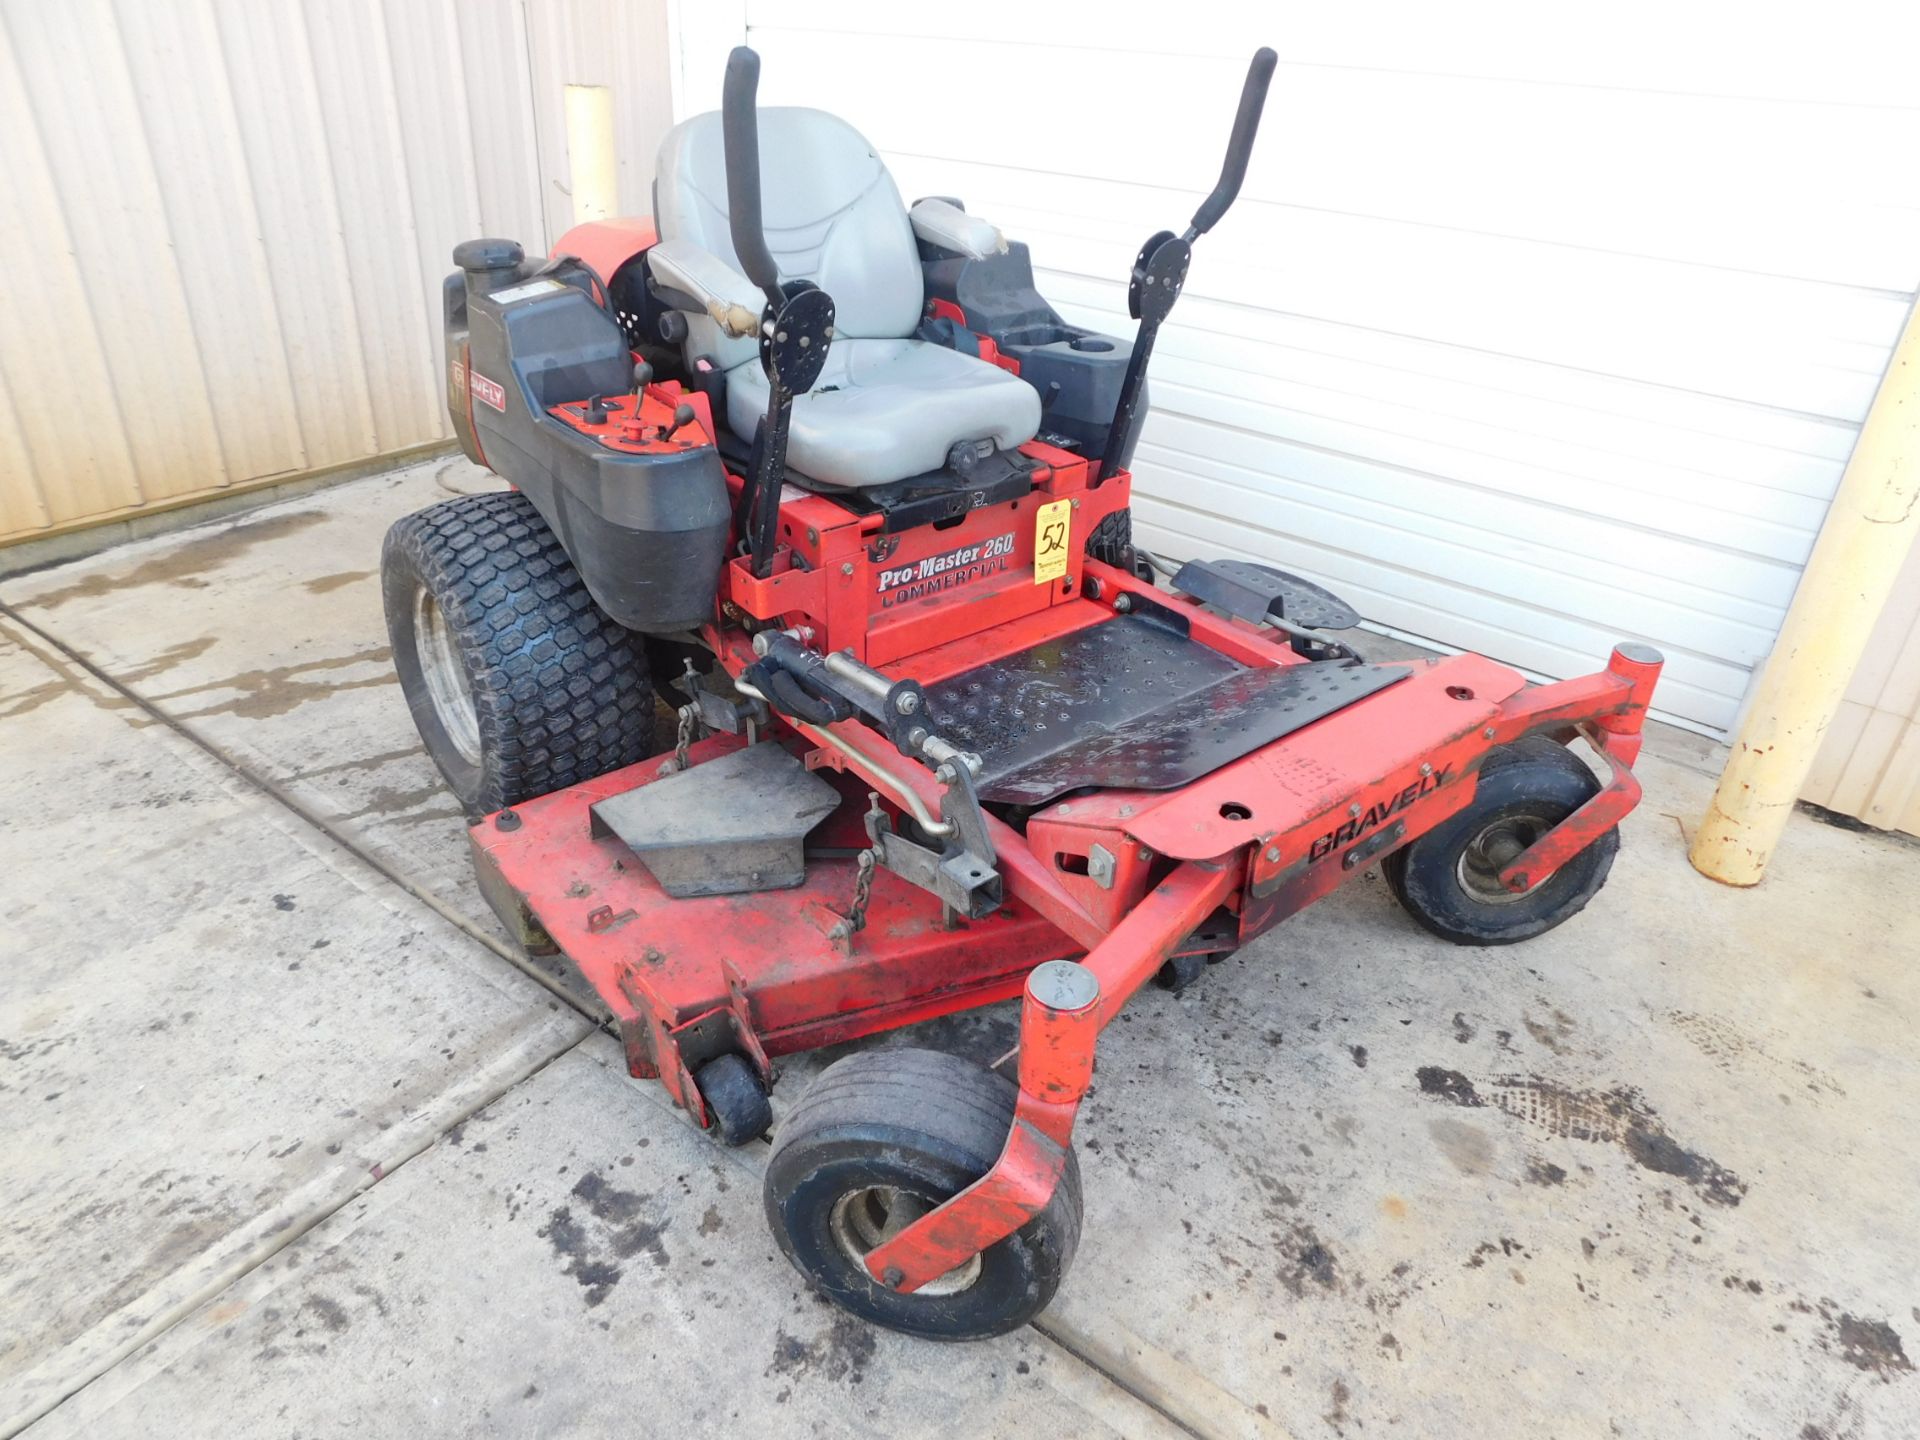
(1870,763)
(227,222)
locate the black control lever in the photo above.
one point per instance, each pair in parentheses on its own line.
(1253,99)
(795,329)
(740,134)
(1160,269)
(682,415)
(898,708)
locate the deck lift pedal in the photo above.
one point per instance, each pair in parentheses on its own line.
(832,474)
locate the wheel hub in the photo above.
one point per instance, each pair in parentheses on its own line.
(445,676)
(863,1220)
(1494,848)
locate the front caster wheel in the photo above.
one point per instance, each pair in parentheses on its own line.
(1449,879)
(737,1107)
(1180,971)
(880,1139)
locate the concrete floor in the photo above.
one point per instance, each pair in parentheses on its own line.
(296,1145)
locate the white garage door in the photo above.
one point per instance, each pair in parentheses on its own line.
(1524,336)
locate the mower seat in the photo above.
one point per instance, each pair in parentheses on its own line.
(887,406)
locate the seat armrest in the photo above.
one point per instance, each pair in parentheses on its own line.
(942,223)
(689,278)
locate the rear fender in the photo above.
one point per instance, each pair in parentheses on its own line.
(606,245)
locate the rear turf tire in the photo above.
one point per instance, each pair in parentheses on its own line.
(890,1127)
(1445,879)
(518,682)
(1111,542)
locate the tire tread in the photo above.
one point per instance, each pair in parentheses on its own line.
(561,689)
(928,1102)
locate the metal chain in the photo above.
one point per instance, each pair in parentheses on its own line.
(862,891)
(684,739)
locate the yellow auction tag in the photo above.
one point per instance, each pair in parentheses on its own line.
(1052,540)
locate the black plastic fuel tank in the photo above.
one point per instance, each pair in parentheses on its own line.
(647,532)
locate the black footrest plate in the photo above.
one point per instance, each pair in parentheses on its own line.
(1129,704)
(731,825)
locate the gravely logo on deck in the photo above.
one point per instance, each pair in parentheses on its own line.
(916,579)
(1378,813)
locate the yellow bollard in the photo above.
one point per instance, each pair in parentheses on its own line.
(593,167)
(1868,531)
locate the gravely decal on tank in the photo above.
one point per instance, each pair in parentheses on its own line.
(1378,812)
(933,573)
(487,392)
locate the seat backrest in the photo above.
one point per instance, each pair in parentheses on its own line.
(832,216)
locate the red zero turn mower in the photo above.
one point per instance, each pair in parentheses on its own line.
(831,471)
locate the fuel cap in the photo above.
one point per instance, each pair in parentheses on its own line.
(488,254)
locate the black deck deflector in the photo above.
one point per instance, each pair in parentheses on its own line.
(1129,704)
(1253,592)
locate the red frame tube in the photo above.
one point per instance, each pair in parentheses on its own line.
(1580,829)
(1056,1066)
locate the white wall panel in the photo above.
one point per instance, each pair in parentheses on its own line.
(601,42)
(356,83)
(50,347)
(1529,336)
(1869,765)
(239,212)
(73,63)
(499,115)
(290,164)
(22,507)
(187,122)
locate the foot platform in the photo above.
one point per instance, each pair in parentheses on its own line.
(1130,704)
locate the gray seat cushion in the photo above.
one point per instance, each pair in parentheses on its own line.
(886,407)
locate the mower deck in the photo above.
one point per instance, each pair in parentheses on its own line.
(1361,764)
(764,972)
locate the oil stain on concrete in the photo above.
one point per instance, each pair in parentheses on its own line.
(184,564)
(612,1228)
(278,689)
(327,584)
(1619,1116)
(1871,1345)
(842,1352)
